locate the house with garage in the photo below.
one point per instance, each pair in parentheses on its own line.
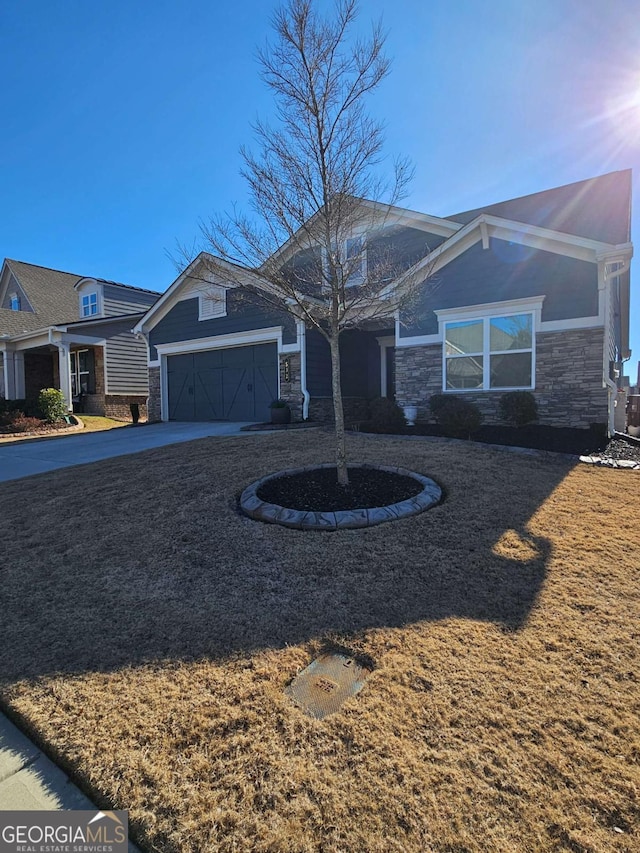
(72,332)
(526,294)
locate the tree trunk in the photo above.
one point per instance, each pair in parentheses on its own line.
(338,411)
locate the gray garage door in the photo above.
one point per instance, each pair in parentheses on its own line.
(223,385)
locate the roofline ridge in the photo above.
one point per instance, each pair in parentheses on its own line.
(540,192)
(82,277)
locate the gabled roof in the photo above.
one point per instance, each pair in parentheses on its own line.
(51,294)
(598,208)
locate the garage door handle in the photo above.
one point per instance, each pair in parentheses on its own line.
(249,387)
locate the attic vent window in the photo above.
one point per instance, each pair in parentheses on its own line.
(14,302)
(213,303)
(89,305)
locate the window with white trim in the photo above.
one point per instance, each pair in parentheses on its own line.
(212,303)
(352,257)
(80,369)
(356,259)
(489,353)
(14,302)
(88,304)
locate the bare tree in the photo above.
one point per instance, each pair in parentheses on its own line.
(315,186)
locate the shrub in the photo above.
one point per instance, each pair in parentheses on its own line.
(455,415)
(21,423)
(52,404)
(9,416)
(385,414)
(9,406)
(518,408)
(436,402)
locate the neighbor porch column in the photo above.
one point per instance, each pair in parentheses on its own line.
(9,390)
(18,368)
(64,368)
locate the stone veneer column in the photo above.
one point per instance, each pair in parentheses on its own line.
(153,403)
(291,388)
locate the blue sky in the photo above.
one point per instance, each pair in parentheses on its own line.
(121,120)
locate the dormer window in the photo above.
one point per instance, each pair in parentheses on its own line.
(14,302)
(353,258)
(89,305)
(356,257)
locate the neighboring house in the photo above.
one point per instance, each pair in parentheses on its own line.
(71,332)
(531,293)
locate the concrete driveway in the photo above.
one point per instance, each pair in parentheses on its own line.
(25,458)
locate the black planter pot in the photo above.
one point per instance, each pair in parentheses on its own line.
(281,415)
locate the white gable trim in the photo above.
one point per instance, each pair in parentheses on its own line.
(382,215)
(189,281)
(533,236)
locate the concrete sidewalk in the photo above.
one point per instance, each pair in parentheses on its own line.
(29,781)
(26,458)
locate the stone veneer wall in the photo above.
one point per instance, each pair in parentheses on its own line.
(153,401)
(118,406)
(291,389)
(568,388)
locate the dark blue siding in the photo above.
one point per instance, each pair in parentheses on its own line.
(243,315)
(318,365)
(359,362)
(502,272)
(400,248)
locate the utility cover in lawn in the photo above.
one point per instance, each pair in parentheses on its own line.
(326,683)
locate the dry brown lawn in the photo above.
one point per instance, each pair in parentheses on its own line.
(149,630)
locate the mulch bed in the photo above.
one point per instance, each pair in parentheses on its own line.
(319,490)
(557,439)
(43,429)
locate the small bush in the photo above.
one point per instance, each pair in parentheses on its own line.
(436,402)
(455,415)
(20,423)
(9,416)
(12,406)
(385,414)
(518,408)
(52,404)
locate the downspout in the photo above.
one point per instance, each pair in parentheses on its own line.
(608,383)
(302,337)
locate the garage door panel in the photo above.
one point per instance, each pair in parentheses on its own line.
(237,383)
(181,401)
(266,390)
(237,391)
(208,395)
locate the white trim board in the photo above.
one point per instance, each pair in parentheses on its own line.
(272,334)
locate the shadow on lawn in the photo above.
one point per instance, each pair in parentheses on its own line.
(122,575)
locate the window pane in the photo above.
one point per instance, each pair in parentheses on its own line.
(83,360)
(463,337)
(464,372)
(512,332)
(512,370)
(354,252)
